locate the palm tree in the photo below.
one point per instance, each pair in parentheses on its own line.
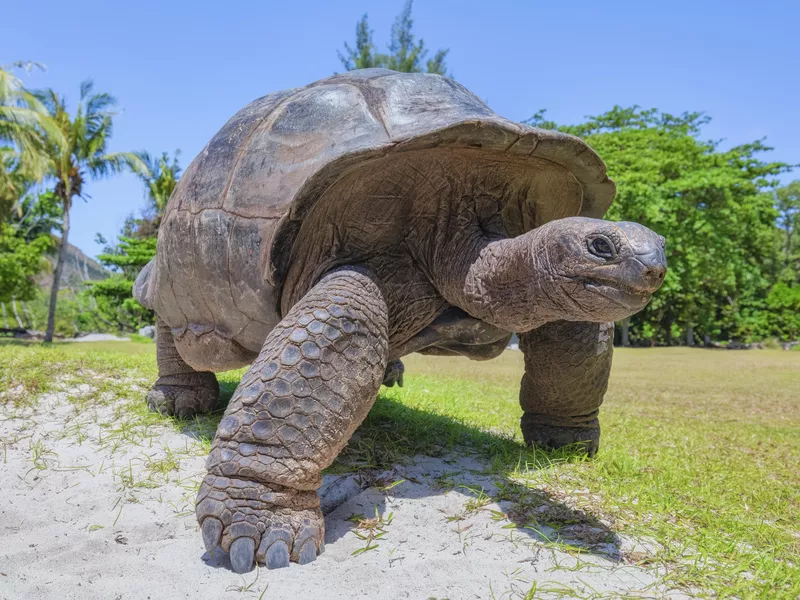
(160,178)
(14,181)
(77,152)
(23,123)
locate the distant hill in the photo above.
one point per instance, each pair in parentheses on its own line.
(72,310)
(78,268)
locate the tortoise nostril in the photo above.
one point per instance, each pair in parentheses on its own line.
(655,274)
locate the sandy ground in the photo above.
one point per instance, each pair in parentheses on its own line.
(99,337)
(92,507)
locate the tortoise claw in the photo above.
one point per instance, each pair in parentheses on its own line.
(243,550)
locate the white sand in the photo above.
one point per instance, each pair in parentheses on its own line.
(84,525)
(98,337)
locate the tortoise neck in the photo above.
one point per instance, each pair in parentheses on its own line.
(506,282)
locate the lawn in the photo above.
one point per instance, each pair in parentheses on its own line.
(699,458)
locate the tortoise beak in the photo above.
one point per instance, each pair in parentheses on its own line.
(649,267)
(654,268)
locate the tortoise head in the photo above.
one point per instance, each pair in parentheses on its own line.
(608,270)
(574,269)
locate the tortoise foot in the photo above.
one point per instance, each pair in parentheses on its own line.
(394,373)
(585,439)
(184,395)
(256,523)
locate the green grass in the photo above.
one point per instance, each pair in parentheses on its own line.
(700,452)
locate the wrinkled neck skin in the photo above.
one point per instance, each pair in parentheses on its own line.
(509,283)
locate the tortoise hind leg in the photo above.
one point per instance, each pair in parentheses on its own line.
(313,383)
(179,389)
(394,373)
(567,365)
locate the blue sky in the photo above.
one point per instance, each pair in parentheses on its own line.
(181,69)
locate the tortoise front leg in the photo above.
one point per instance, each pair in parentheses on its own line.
(567,365)
(314,382)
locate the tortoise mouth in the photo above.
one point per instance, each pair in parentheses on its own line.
(627,297)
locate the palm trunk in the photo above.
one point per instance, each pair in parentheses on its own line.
(28,318)
(62,250)
(25,316)
(626,324)
(16,313)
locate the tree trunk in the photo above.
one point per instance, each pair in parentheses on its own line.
(690,336)
(626,323)
(27,315)
(16,314)
(668,333)
(62,250)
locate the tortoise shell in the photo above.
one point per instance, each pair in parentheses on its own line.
(226,238)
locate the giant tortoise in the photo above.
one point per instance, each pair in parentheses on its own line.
(327,231)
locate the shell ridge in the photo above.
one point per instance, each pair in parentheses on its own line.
(375,113)
(194,270)
(272,114)
(228,278)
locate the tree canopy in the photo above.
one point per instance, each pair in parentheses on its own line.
(135,247)
(715,207)
(405,53)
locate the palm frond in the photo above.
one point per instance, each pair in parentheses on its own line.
(87,85)
(25,122)
(112,163)
(98,104)
(161,177)
(24,65)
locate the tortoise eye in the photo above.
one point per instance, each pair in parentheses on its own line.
(601,247)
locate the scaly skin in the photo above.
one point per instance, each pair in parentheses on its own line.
(179,389)
(567,365)
(394,373)
(311,386)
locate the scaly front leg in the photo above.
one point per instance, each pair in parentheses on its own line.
(567,364)
(314,382)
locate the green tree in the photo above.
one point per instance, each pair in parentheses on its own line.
(114,296)
(129,255)
(24,241)
(160,178)
(15,181)
(787,203)
(715,208)
(78,153)
(37,215)
(21,261)
(783,304)
(136,247)
(405,53)
(23,119)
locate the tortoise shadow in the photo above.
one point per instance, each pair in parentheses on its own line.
(435,454)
